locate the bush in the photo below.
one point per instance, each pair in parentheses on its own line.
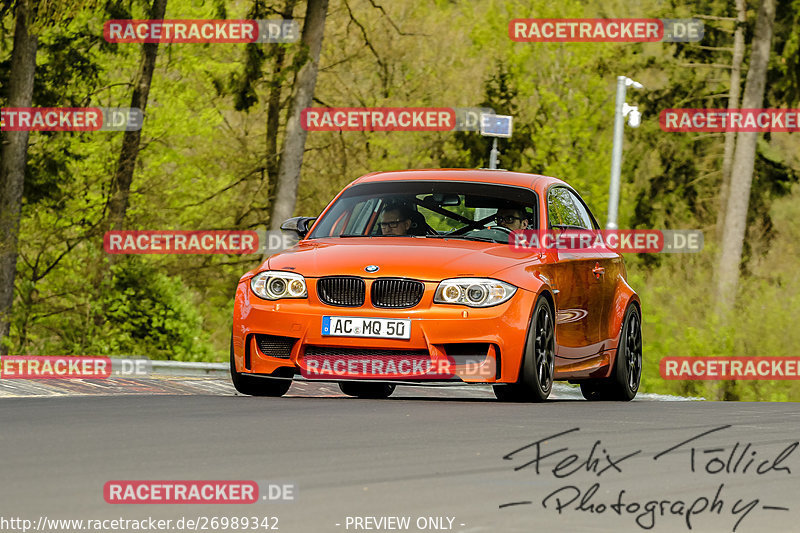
(149,313)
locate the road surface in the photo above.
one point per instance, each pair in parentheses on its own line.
(445,459)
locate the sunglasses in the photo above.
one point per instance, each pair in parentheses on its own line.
(509,219)
(393,224)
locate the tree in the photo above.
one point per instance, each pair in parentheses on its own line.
(13,159)
(121,185)
(243,86)
(743,163)
(274,101)
(294,141)
(733,103)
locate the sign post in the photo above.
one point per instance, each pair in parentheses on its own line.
(493,126)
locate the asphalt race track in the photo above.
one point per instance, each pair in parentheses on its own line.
(445,459)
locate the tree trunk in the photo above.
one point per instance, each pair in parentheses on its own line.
(13,159)
(294,141)
(121,184)
(743,163)
(733,103)
(274,102)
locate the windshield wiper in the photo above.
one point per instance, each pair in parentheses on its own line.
(465,237)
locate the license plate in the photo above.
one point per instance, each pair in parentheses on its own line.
(354,326)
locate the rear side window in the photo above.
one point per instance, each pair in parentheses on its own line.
(564,209)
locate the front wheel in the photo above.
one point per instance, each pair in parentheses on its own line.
(538,362)
(257,386)
(623,384)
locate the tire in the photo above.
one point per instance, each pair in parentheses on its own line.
(375,391)
(535,381)
(257,386)
(623,384)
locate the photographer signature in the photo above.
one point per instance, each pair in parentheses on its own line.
(742,459)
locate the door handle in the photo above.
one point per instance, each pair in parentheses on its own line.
(598,271)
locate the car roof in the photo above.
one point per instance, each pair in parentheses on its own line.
(502,177)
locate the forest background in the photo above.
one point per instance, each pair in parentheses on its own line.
(209,157)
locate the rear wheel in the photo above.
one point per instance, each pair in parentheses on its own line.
(623,384)
(257,386)
(538,363)
(367,390)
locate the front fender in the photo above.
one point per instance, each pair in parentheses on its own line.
(623,297)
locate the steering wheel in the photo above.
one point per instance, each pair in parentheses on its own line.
(502,228)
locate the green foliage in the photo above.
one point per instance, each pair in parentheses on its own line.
(783,81)
(678,318)
(203,155)
(151,312)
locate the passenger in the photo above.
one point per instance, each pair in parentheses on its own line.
(512,218)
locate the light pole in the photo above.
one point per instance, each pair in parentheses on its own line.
(634,118)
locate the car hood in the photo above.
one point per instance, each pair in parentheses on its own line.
(408,257)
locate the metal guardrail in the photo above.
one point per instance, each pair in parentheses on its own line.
(185,368)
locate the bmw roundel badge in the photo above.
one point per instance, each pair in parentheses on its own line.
(371,268)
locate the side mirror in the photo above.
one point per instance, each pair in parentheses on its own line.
(299,225)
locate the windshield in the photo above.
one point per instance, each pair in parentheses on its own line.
(463,210)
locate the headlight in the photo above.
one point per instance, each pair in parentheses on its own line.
(474,292)
(274,285)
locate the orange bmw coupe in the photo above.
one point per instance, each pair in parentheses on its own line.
(410,277)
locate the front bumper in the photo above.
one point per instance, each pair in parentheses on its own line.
(440,334)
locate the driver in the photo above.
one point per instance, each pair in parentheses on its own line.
(512,218)
(395,220)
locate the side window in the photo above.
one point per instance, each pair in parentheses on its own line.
(563,211)
(555,207)
(580,209)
